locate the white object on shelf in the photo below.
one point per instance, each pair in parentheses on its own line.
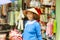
(46,2)
(21,15)
(34,3)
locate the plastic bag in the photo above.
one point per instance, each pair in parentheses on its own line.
(15,35)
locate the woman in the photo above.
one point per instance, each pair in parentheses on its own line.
(32,29)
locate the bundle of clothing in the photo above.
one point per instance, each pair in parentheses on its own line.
(15,35)
(51,28)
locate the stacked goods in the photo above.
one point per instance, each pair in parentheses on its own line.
(15,35)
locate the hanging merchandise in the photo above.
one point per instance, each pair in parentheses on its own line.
(53,12)
(46,10)
(43,18)
(21,13)
(34,3)
(15,35)
(47,2)
(49,29)
(15,2)
(54,2)
(49,10)
(37,3)
(42,9)
(11,18)
(16,16)
(20,25)
(43,30)
(54,26)
(27,3)
(50,2)
(0,10)
(41,1)
(43,34)
(4,13)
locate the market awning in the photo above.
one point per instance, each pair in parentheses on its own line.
(2,2)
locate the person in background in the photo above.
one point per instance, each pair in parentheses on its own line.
(32,30)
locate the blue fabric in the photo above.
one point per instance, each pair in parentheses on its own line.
(32,31)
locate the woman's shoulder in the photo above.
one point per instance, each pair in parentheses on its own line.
(37,23)
(32,22)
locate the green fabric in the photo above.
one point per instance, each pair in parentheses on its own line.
(16,13)
(11,18)
(54,26)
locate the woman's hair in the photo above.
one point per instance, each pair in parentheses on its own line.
(36,17)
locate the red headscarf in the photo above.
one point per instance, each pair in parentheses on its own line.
(39,12)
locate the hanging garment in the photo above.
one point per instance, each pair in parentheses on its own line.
(16,13)
(11,18)
(49,29)
(20,25)
(53,13)
(54,26)
(43,27)
(46,10)
(43,18)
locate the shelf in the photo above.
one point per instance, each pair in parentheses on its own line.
(6,24)
(2,31)
(48,5)
(2,24)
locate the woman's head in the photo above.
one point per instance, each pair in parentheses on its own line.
(32,16)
